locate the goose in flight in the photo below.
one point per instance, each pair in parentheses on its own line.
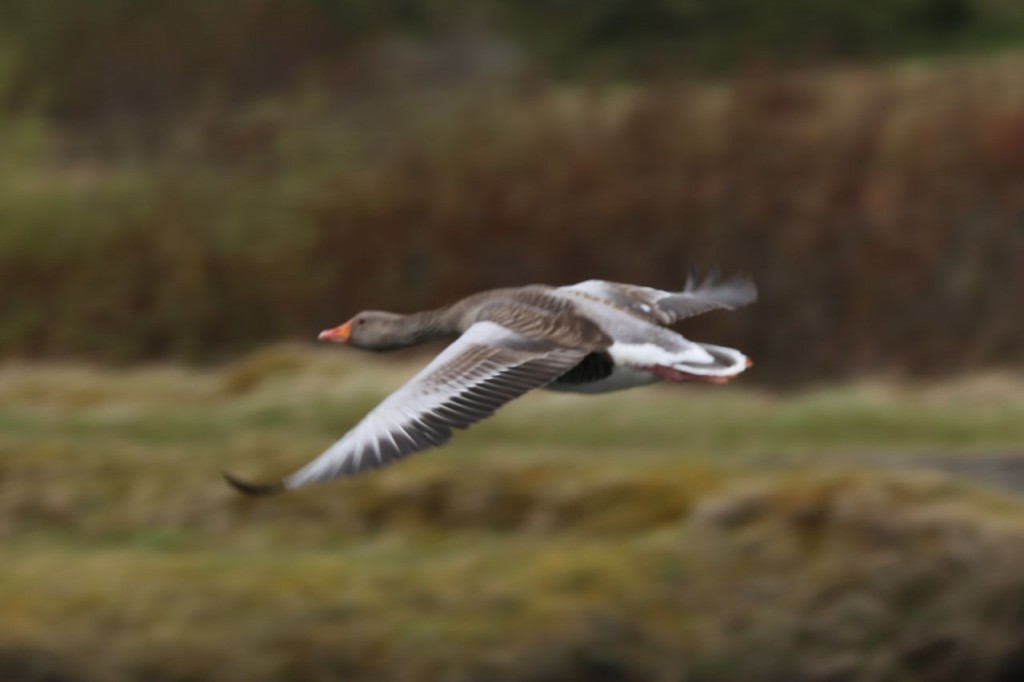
(591,337)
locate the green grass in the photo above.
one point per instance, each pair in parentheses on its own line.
(712,533)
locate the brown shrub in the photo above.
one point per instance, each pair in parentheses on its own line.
(879,212)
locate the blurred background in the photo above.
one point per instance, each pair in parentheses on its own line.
(191,190)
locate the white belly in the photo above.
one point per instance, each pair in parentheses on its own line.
(632,360)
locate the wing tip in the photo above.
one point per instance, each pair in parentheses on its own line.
(747,288)
(253,489)
(741,286)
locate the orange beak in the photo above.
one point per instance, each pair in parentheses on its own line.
(339,334)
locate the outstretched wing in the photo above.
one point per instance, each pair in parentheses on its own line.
(698,298)
(667,307)
(486,367)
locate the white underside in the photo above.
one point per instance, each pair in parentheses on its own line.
(730,362)
(649,355)
(632,361)
(640,345)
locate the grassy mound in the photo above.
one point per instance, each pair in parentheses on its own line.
(683,534)
(835,577)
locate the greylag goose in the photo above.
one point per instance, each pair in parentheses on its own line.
(591,337)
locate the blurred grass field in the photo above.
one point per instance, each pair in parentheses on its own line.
(699,533)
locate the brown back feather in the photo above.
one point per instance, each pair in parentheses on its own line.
(537,315)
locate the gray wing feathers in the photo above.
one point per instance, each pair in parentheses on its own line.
(710,294)
(667,307)
(485,368)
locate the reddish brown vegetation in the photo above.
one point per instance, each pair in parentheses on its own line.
(882,216)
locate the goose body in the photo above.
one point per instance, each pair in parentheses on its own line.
(591,337)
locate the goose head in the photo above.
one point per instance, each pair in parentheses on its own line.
(381,331)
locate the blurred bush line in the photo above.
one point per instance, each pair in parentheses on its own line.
(190,180)
(109,58)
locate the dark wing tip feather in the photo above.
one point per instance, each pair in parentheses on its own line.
(692,276)
(694,281)
(253,489)
(742,285)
